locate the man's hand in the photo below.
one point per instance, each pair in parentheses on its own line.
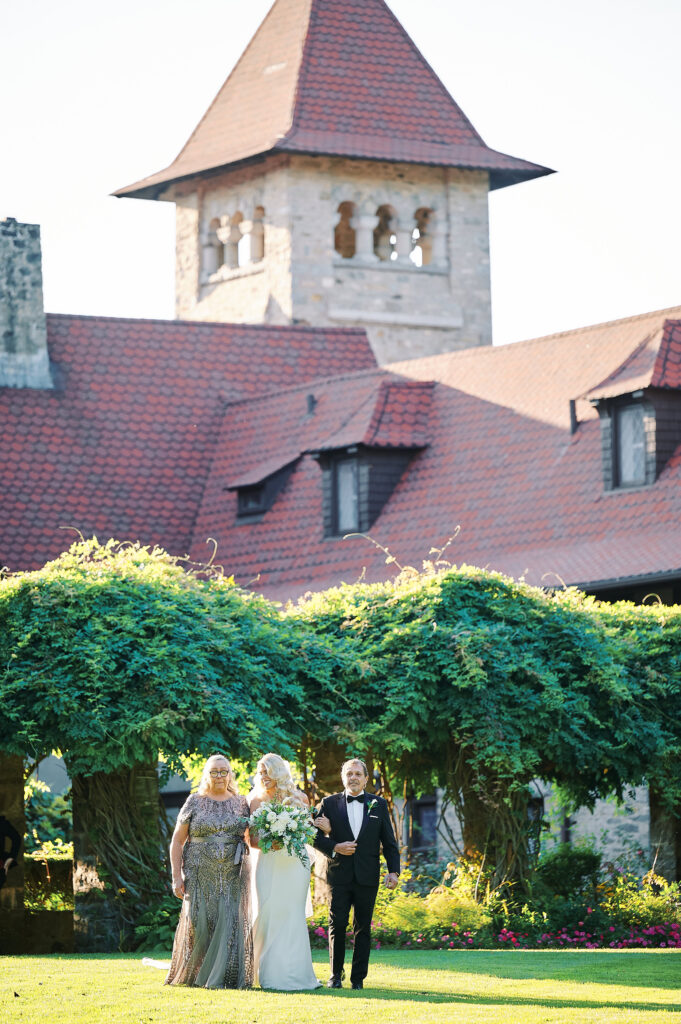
(323,824)
(346,849)
(8,863)
(390,881)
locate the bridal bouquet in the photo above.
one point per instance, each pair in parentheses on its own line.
(284,828)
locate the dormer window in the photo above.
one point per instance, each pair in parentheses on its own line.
(629,446)
(345,495)
(258,490)
(251,500)
(628,440)
(356,484)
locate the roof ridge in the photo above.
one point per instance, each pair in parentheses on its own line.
(337,378)
(474,350)
(211,323)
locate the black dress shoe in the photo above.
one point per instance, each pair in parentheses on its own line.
(334,983)
(358,984)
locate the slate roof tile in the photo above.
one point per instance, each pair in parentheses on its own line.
(501,464)
(335,77)
(123,445)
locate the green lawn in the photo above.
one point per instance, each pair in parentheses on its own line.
(522,987)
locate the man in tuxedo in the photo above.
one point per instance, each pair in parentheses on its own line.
(360,828)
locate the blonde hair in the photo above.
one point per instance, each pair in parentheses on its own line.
(285,789)
(206,783)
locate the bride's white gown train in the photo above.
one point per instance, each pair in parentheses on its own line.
(281,944)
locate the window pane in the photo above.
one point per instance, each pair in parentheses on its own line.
(346,496)
(424,824)
(631,464)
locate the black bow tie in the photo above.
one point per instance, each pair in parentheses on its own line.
(359,799)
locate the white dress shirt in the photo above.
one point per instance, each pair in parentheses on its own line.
(355,812)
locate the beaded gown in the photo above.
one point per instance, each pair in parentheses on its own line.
(213,947)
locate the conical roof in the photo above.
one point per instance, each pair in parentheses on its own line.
(334,77)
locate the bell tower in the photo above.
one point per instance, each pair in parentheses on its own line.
(334,181)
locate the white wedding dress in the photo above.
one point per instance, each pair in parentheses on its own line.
(281,945)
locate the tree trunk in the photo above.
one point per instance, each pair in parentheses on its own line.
(665,838)
(119,854)
(495,825)
(13,825)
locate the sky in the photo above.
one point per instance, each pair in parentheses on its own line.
(96,96)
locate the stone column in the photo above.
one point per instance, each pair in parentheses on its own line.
(405,241)
(24,362)
(437,229)
(12,822)
(230,236)
(364,225)
(210,252)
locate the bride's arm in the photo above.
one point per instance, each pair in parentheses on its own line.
(252,835)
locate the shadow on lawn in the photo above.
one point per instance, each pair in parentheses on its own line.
(636,969)
(477,999)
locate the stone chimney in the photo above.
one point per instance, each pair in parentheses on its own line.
(24,362)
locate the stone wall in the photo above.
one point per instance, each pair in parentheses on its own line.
(295,275)
(24,362)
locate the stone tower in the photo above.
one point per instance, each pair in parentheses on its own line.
(334,181)
(24,362)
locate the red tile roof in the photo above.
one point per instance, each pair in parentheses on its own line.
(123,444)
(335,77)
(152,421)
(501,464)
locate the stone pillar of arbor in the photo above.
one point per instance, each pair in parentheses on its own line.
(12,824)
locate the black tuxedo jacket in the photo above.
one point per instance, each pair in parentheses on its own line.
(376,833)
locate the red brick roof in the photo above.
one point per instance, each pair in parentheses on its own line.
(501,464)
(123,445)
(335,77)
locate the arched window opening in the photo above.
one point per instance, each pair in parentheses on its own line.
(344,239)
(385,237)
(422,251)
(258,235)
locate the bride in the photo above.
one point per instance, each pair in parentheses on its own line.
(281,945)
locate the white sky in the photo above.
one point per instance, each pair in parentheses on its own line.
(96,96)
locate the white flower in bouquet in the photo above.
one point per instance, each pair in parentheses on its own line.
(287,828)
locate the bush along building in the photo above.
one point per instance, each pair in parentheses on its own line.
(331,372)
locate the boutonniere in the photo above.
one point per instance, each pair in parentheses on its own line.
(371,805)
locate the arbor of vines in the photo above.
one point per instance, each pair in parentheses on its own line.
(459,678)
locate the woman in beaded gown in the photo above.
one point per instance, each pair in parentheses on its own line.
(213,946)
(281,944)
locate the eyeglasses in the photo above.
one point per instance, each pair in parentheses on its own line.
(221,774)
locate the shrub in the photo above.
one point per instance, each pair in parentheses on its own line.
(569,870)
(155,929)
(631,902)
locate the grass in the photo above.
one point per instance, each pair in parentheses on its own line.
(475,987)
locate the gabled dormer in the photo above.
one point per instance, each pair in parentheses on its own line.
(363,462)
(639,406)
